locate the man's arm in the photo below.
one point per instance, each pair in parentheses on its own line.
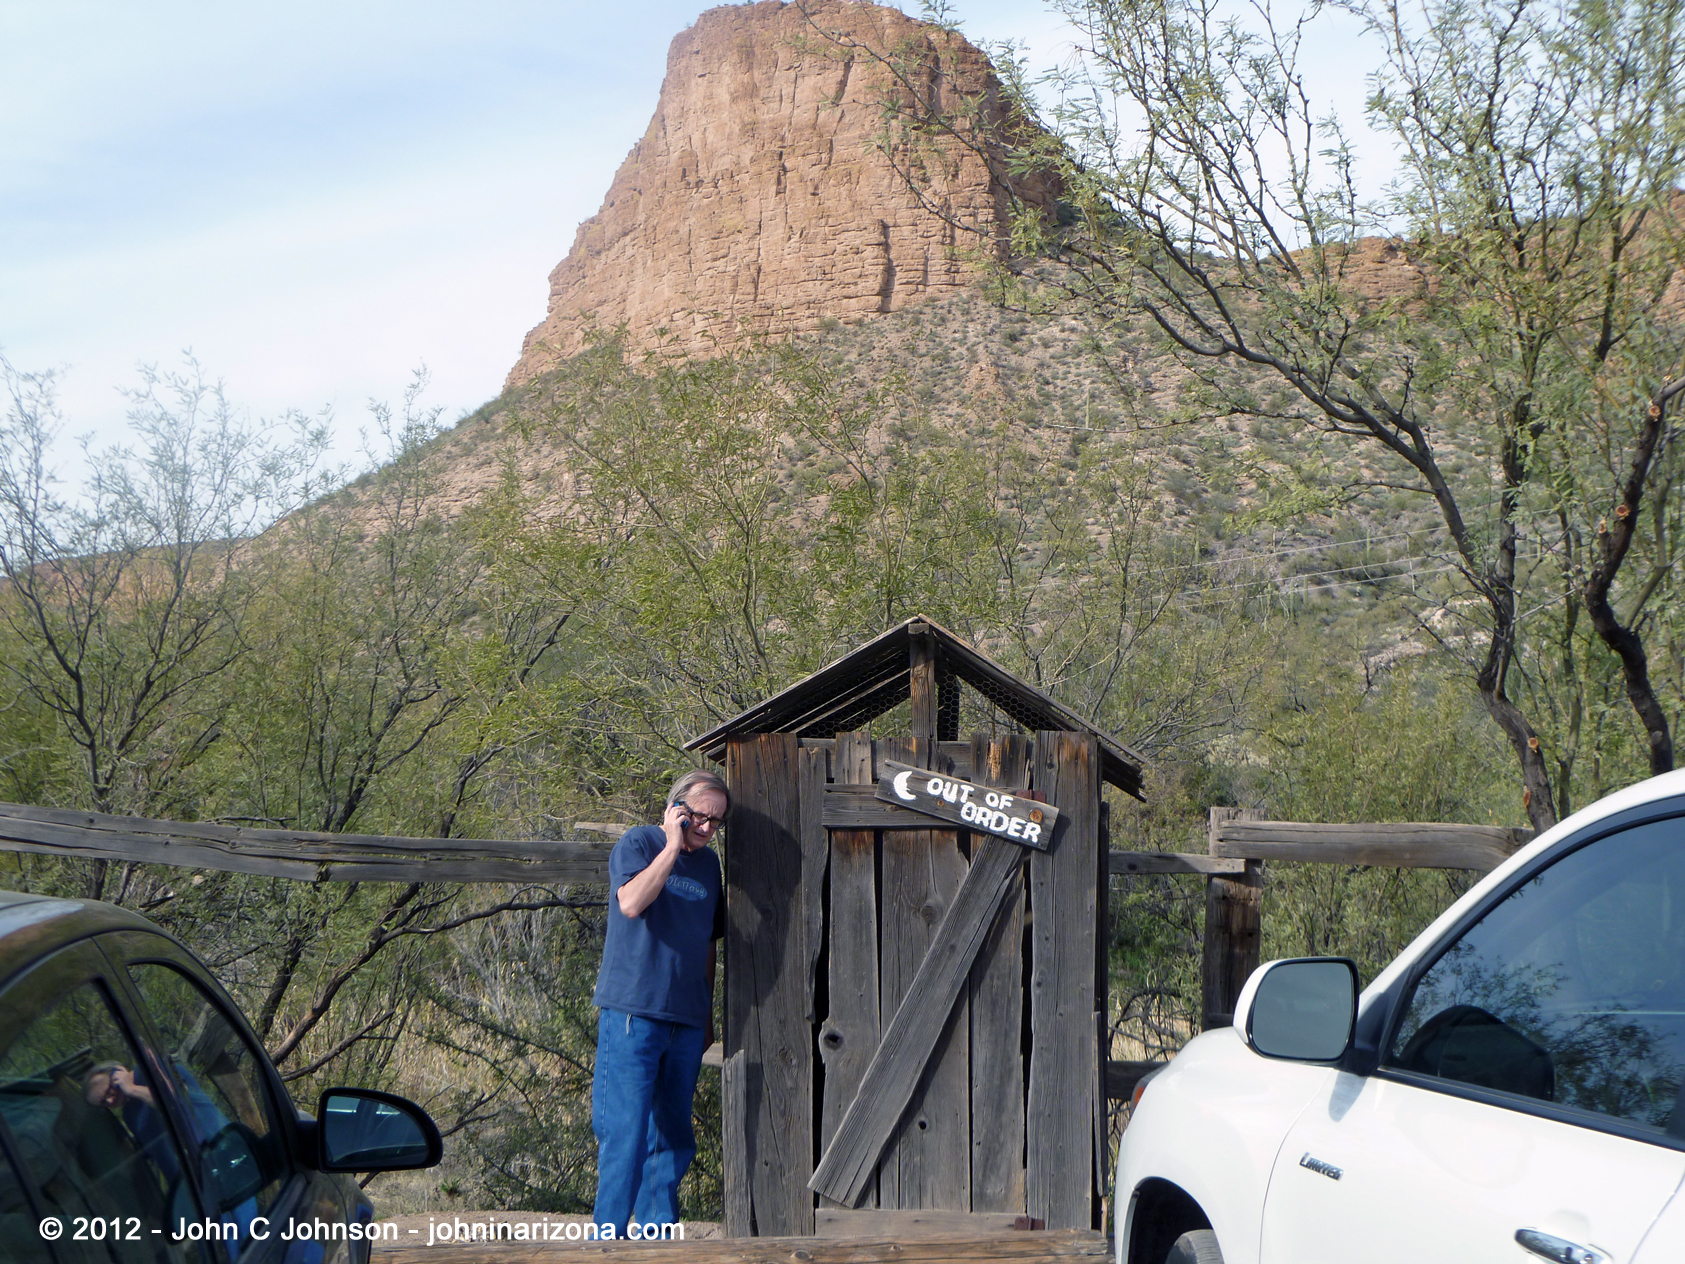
(638,892)
(123,1079)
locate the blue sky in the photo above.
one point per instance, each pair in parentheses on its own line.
(317,198)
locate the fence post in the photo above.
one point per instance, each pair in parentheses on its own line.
(1234,921)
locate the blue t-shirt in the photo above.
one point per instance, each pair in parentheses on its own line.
(654,964)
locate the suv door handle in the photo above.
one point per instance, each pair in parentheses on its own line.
(1559,1249)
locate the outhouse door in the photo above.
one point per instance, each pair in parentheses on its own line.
(1003,1100)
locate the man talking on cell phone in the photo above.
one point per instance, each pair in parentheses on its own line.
(656,993)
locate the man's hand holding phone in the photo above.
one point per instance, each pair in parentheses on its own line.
(676,825)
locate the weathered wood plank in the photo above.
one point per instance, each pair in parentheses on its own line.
(932,1148)
(300,854)
(1417,845)
(925,696)
(1098,1106)
(926,1164)
(894,975)
(970,1249)
(857,807)
(1099,1103)
(1062,1060)
(734,1148)
(957,753)
(902,1225)
(850,1031)
(918,1024)
(288,842)
(765,976)
(815,858)
(1234,924)
(967,804)
(1172,862)
(928,1159)
(997,1013)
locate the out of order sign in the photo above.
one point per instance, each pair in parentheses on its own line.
(977,808)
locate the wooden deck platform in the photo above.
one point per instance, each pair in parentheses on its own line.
(1011,1247)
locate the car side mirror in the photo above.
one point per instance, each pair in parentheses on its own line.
(1301,1009)
(362,1130)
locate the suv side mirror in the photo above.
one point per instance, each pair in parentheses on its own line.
(362,1130)
(1301,1009)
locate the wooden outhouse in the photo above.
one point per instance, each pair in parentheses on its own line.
(915,967)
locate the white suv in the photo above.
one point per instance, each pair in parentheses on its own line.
(1510,1088)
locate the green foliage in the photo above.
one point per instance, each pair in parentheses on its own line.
(1407,749)
(511,1007)
(121,605)
(1323,743)
(397,662)
(1511,373)
(754,516)
(359,665)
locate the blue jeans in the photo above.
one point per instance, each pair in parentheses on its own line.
(640,1111)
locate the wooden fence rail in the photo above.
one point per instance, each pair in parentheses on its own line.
(1234,904)
(1237,847)
(301,854)
(1398,846)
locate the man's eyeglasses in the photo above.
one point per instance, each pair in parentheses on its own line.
(698,818)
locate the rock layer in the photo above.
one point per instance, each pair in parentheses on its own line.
(761,199)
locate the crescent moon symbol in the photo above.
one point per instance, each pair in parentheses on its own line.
(901,787)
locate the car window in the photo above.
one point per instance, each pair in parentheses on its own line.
(82,1118)
(19,1221)
(219,1078)
(1572,990)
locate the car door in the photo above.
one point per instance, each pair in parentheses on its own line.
(1665,1243)
(1529,1082)
(20,1217)
(101,1171)
(232,1109)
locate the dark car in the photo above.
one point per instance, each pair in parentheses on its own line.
(141,1121)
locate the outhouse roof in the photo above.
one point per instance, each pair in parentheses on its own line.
(863,684)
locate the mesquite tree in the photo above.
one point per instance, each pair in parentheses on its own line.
(126,599)
(1519,368)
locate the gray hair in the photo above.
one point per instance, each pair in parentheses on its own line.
(698,778)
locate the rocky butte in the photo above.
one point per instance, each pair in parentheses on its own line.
(762,200)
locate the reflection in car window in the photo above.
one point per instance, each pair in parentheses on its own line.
(85,1125)
(19,1222)
(219,1079)
(1572,990)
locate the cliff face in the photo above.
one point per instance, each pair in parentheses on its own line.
(759,199)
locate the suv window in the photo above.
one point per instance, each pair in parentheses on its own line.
(1572,990)
(19,1221)
(219,1080)
(82,1119)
